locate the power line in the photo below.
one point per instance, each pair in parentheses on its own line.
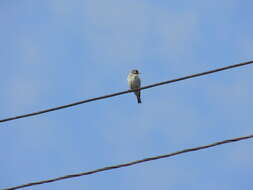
(125,92)
(131,163)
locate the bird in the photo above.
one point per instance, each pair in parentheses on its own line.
(134,82)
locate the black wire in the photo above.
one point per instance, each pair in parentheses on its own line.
(125,92)
(131,163)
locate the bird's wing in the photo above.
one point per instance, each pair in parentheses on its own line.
(138,82)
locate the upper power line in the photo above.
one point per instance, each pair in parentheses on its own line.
(130,163)
(127,91)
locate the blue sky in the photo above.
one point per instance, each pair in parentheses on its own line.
(54,52)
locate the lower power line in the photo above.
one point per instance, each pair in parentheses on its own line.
(131,163)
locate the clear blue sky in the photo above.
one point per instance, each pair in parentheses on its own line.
(54,52)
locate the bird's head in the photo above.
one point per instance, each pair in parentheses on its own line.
(135,72)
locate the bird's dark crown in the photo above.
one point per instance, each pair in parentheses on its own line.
(135,71)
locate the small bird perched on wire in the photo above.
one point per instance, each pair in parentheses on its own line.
(134,82)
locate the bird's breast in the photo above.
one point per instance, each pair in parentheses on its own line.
(133,82)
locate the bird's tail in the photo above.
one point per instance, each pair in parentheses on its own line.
(138,95)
